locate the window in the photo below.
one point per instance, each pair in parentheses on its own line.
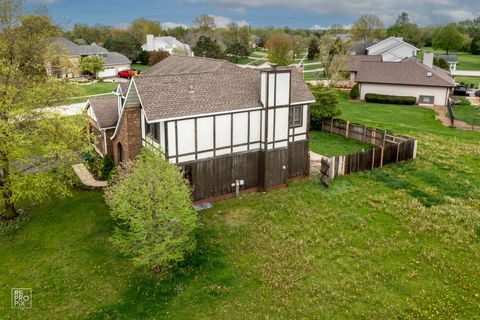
(152,130)
(426,99)
(296,116)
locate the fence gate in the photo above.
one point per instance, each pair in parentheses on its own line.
(324,172)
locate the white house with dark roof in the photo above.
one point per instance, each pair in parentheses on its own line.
(392,49)
(114,61)
(168,44)
(451,59)
(229,128)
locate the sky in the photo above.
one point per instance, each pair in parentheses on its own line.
(309,14)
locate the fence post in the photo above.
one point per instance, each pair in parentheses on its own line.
(364,133)
(374,136)
(381,157)
(398,150)
(347,128)
(373,158)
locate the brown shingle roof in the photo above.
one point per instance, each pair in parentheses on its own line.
(187,86)
(185,64)
(352,62)
(105,110)
(407,72)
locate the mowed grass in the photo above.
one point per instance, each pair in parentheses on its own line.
(466,60)
(328,144)
(97,88)
(469,114)
(472,81)
(398,242)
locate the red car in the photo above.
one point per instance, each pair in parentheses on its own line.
(128,74)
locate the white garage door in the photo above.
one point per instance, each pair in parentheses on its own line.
(108,72)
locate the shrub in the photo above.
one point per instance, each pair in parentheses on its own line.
(355,92)
(144,57)
(106,167)
(387,99)
(150,201)
(325,106)
(157,56)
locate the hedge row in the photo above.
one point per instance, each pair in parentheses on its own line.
(381,98)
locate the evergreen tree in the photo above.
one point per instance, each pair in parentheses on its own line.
(208,47)
(313,49)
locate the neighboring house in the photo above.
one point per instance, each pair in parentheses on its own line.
(342,36)
(392,49)
(226,126)
(114,61)
(410,77)
(169,44)
(451,59)
(352,63)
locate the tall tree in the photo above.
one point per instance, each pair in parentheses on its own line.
(122,41)
(408,31)
(475,45)
(139,29)
(280,49)
(313,49)
(448,38)
(151,202)
(85,34)
(208,47)
(37,147)
(403,19)
(367,28)
(237,40)
(205,22)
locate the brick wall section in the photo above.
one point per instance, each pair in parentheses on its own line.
(129,134)
(108,135)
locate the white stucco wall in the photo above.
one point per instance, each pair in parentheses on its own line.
(440,94)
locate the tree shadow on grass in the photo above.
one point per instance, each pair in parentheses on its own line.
(424,179)
(200,280)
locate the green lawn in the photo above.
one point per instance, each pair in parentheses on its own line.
(466,61)
(472,81)
(329,145)
(469,114)
(402,242)
(97,88)
(140,67)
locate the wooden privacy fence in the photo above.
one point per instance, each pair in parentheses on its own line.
(387,149)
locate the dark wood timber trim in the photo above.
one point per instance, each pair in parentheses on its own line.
(214,135)
(166,139)
(248,130)
(196,140)
(176,140)
(231,132)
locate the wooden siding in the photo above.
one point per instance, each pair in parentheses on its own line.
(298,159)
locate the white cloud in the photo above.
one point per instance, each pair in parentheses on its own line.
(172,25)
(319,27)
(421,11)
(222,22)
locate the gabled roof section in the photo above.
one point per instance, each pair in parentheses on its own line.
(115,58)
(449,58)
(184,64)
(395,42)
(105,111)
(73,49)
(354,61)
(181,86)
(407,72)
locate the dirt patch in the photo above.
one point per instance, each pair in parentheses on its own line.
(237,217)
(441,115)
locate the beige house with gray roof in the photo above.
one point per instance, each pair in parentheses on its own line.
(231,129)
(430,85)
